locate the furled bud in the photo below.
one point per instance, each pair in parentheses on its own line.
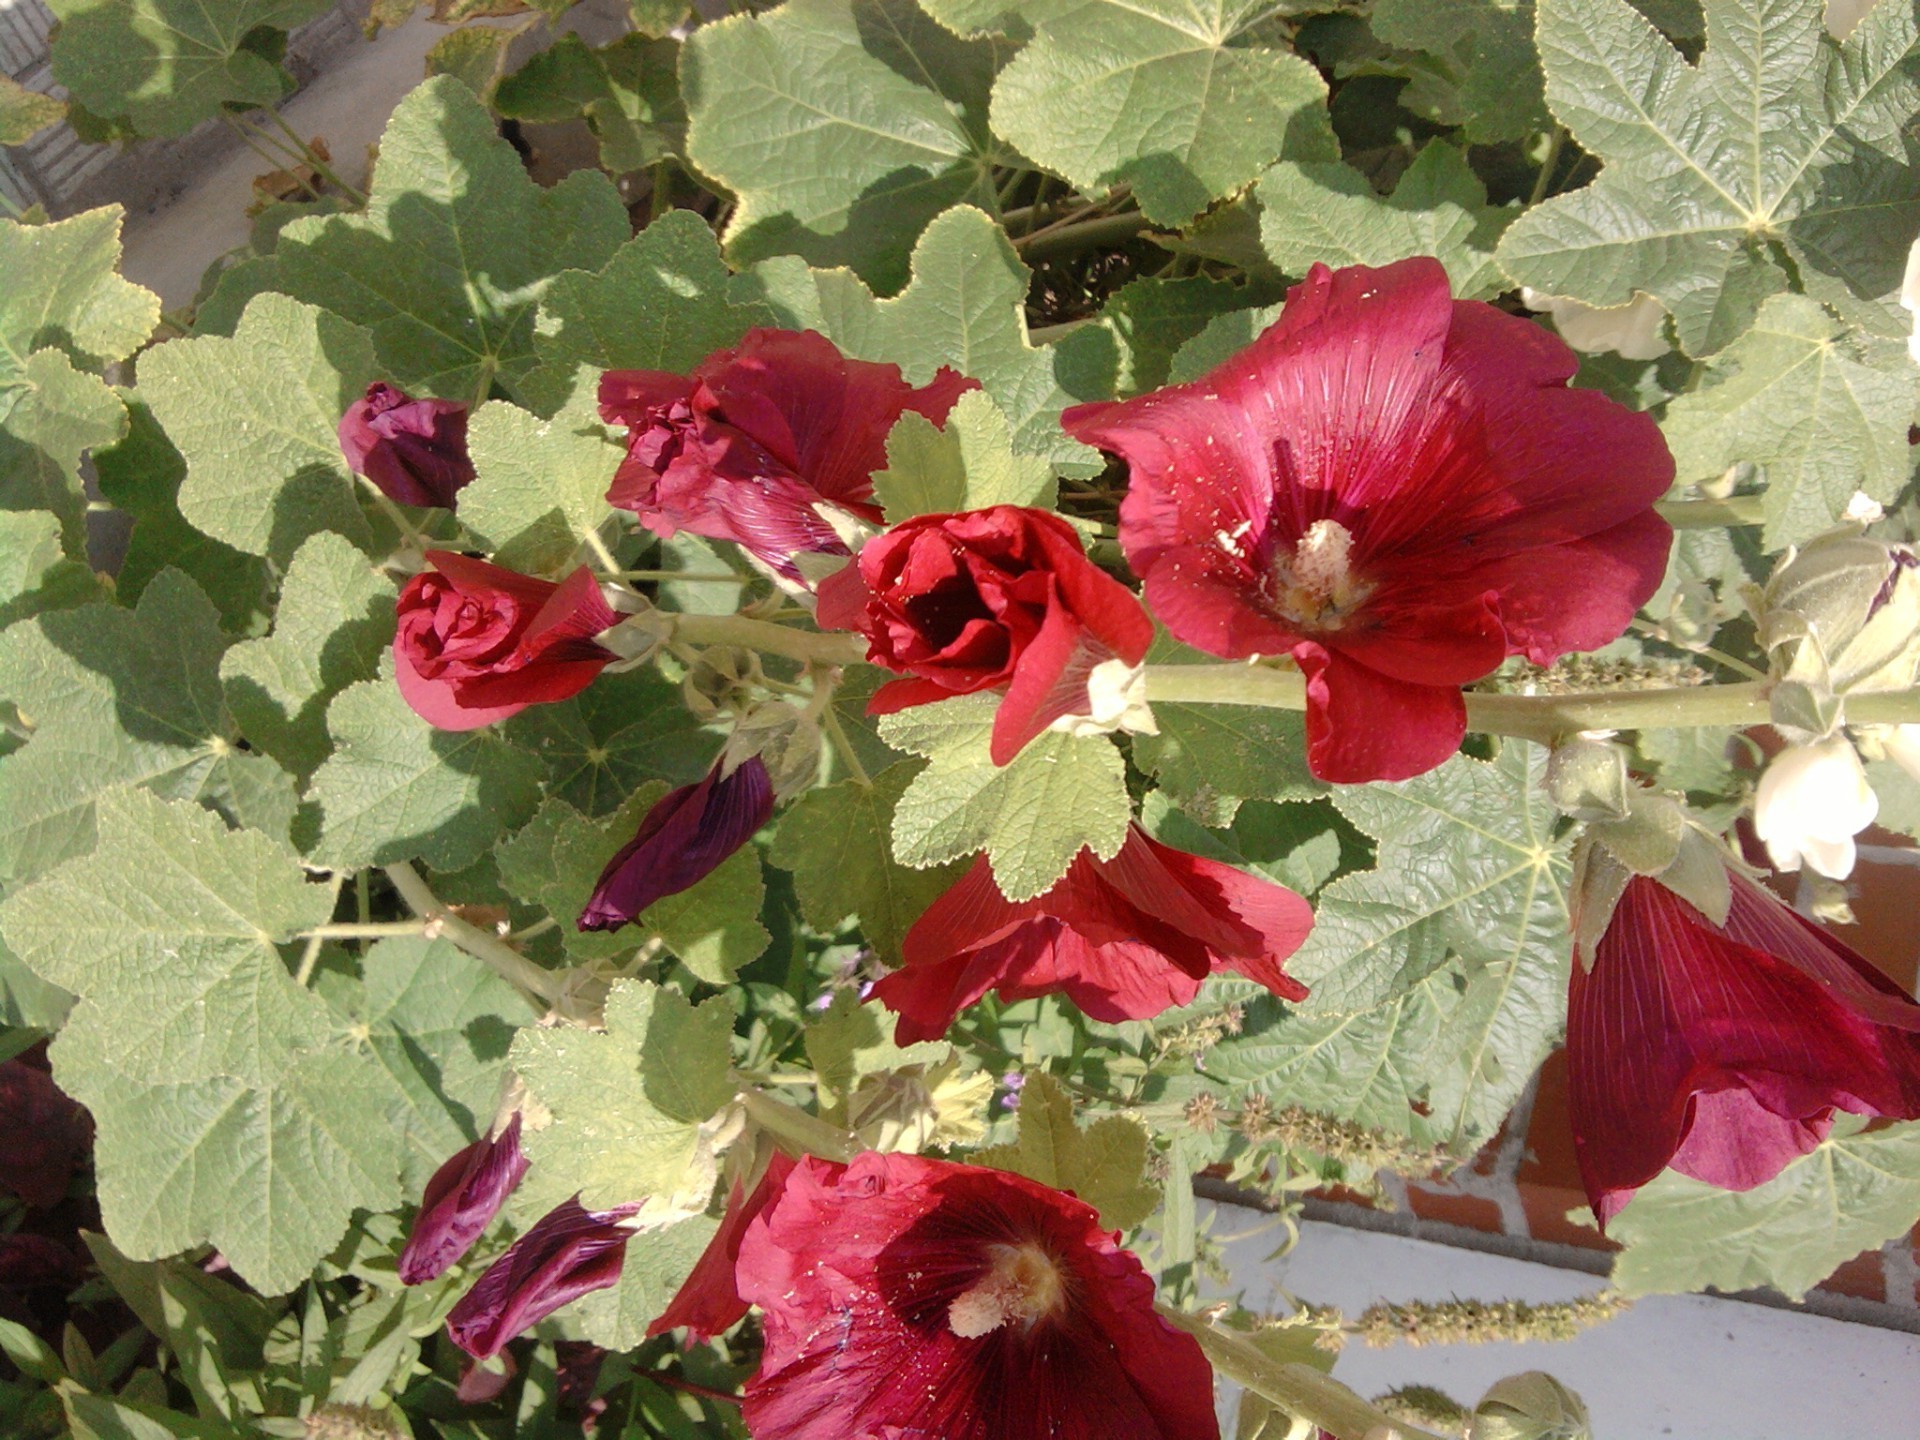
(1839,617)
(786,739)
(1533,1406)
(1587,779)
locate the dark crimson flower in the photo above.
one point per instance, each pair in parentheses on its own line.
(477,643)
(905,1296)
(414,450)
(43,1133)
(1124,939)
(708,1302)
(33,1262)
(748,445)
(568,1253)
(1723,1050)
(1003,597)
(461,1200)
(683,839)
(1398,490)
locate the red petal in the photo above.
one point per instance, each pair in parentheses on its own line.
(708,1301)
(433,702)
(1362,725)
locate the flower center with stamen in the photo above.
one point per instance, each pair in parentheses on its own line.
(1314,587)
(1022,1285)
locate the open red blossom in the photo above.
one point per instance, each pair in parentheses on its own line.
(461,1200)
(684,838)
(1002,597)
(708,1302)
(414,451)
(44,1134)
(1398,490)
(1723,1050)
(905,1296)
(1124,939)
(476,643)
(757,436)
(569,1252)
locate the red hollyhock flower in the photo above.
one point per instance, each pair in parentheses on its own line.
(905,1296)
(44,1133)
(1398,490)
(477,643)
(708,1302)
(1723,1050)
(683,839)
(461,1200)
(746,447)
(1124,939)
(568,1253)
(415,451)
(998,597)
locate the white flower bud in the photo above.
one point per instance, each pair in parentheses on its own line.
(1116,700)
(1634,330)
(1811,803)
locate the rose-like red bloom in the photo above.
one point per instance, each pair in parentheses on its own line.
(990,598)
(414,450)
(1723,1050)
(683,839)
(1398,490)
(477,643)
(906,1297)
(33,1262)
(1124,939)
(569,1252)
(461,1200)
(708,1302)
(746,447)
(44,1133)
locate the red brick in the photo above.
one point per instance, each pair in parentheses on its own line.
(1450,1207)
(1861,1277)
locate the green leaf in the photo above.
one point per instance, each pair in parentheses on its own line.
(29,549)
(628,92)
(63,290)
(1058,796)
(1212,757)
(56,414)
(141,474)
(965,308)
(625,1101)
(528,468)
(1224,337)
(25,113)
(264,468)
(665,301)
(837,842)
(1330,213)
(397,789)
(115,697)
(1151,319)
(439,1024)
(1854,1191)
(1177,100)
(713,927)
(1776,137)
(1797,397)
(658,1263)
(105,1417)
(1486,54)
(1467,865)
(1104,1164)
(815,116)
(333,622)
(227,1112)
(167,65)
(623,730)
(454,249)
(851,1041)
(969,464)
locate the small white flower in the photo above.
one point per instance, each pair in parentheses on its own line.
(1863,509)
(1902,744)
(1811,803)
(1116,700)
(1843,15)
(1910,299)
(1634,330)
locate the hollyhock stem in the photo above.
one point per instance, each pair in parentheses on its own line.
(509,964)
(770,639)
(808,1133)
(1711,514)
(1300,1390)
(1080,235)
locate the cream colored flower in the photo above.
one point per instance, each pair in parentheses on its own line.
(1811,803)
(1910,299)
(1902,744)
(1634,330)
(1843,15)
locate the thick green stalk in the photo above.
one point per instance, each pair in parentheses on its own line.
(489,949)
(763,635)
(1080,235)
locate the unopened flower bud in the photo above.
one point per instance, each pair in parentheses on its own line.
(1587,779)
(1839,617)
(1533,1406)
(720,679)
(1811,802)
(787,741)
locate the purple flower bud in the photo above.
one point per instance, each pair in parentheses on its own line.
(461,1200)
(414,450)
(683,840)
(568,1253)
